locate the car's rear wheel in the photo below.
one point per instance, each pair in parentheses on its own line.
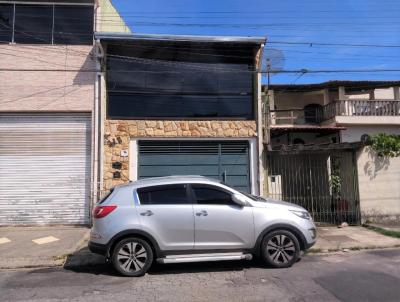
(280,249)
(132,257)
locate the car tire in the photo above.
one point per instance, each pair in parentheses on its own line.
(280,249)
(132,257)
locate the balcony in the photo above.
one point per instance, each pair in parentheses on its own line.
(362,108)
(309,116)
(363,112)
(354,111)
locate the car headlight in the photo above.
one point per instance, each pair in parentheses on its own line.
(313,233)
(302,214)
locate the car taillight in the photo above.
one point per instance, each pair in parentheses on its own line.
(102,211)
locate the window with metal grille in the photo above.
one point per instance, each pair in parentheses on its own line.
(33,24)
(6,22)
(175,81)
(73,25)
(42,23)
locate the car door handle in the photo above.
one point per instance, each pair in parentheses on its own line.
(147,213)
(202,213)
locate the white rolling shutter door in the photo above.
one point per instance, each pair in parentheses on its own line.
(45,168)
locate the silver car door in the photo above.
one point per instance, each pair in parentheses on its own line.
(166,213)
(219,222)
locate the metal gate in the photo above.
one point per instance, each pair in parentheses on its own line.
(227,161)
(323,182)
(45,168)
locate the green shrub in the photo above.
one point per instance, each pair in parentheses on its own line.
(386,145)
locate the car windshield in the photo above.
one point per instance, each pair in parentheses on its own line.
(253,197)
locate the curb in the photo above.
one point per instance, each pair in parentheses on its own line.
(382,230)
(81,243)
(29,264)
(349,249)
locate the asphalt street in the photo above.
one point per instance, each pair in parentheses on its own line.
(372,275)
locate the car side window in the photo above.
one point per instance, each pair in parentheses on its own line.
(164,194)
(211,195)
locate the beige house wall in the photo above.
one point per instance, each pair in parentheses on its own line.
(297,100)
(368,120)
(379,186)
(46,78)
(108,18)
(378,178)
(353,133)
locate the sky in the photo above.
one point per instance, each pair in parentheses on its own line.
(371,23)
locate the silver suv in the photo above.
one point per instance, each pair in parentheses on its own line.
(179,219)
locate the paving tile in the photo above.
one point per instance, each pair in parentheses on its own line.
(339,238)
(4,240)
(45,240)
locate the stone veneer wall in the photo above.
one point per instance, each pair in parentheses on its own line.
(117,135)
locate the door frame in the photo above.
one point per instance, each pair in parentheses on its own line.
(253,157)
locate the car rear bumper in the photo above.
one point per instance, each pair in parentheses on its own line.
(98,248)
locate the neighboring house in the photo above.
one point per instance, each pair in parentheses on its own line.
(47,113)
(48,125)
(177,105)
(108,18)
(314,133)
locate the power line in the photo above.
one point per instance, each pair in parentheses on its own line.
(227,71)
(333,44)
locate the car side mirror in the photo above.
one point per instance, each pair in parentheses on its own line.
(239,199)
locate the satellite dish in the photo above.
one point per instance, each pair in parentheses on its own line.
(272,62)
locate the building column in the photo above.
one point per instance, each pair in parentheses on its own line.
(271,105)
(372,94)
(396,93)
(342,93)
(342,97)
(396,96)
(326,96)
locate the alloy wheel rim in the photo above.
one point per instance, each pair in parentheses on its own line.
(132,257)
(280,249)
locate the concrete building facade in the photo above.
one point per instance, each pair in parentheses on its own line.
(48,124)
(185,128)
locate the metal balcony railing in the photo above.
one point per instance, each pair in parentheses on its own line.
(354,107)
(296,116)
(357,107)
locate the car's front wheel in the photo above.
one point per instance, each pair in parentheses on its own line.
(132,257)
(280,249)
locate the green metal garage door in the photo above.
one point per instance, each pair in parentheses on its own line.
(227,161)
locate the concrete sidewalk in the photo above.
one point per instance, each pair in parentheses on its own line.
(61,245)
(351,238)
(39,246)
